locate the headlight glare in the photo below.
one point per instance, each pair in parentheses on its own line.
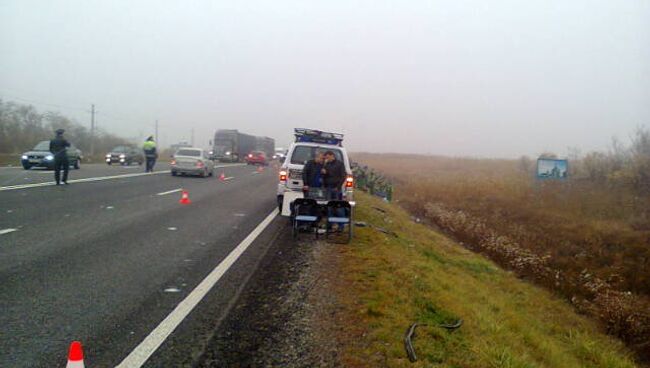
(24,157)
(49,157)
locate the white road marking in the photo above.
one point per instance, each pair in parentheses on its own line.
(7,231)
(109,207)
(172,290)
(172,228)
(87,180)
(228,178)
(152,342)
(170,191)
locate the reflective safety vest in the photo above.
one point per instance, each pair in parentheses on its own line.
(149,145)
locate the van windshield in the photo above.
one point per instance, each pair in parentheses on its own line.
(302,154)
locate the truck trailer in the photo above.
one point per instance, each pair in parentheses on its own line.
(229,145)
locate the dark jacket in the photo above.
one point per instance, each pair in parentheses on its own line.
(311,175)
(335,174)
(58,146)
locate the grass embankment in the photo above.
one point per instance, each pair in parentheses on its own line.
(422,276)
(586,239)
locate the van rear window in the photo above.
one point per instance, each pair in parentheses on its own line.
(302,154)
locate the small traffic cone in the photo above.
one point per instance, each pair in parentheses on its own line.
(222,177)
(75,356)
(185,198)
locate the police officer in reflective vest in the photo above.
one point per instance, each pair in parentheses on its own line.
(58,148)
(150,153)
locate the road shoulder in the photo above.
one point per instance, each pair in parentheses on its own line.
(287,315)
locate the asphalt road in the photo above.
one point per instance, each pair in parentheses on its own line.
(105,260)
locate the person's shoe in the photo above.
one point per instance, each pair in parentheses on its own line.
(58,183)
(65,182)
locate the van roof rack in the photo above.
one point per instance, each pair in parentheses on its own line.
(317,136)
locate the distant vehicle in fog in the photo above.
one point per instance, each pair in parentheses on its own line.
(257,158)
(125,155)
(280,153)
(266,145)
(40,156)
(192,161)
(229,145)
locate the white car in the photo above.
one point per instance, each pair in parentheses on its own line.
(307,143)
(192,161)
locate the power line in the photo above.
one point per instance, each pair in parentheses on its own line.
(45,103)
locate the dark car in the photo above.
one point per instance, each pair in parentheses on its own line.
(256,158)
(125,155)
(40,156)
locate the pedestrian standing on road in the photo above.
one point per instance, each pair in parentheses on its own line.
(311,175)
(334,175)
(150,153)
(59,149)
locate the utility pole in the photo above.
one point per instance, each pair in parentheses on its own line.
(92,130)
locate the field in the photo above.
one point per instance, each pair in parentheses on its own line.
(387,282)
(587,240)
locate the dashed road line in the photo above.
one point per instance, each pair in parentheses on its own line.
(152,342)
(7,231)
(170,191)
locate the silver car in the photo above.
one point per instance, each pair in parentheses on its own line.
(192,161)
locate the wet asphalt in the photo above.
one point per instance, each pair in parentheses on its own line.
(103,262)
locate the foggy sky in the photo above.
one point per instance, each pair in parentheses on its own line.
(478,78)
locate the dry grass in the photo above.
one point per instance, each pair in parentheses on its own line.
(422,276)
(587,241)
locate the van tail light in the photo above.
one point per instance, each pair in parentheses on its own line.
(349,182)
(283,175)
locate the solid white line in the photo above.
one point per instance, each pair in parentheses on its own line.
(170,192)
(152,342)
(7,231)
(87,180)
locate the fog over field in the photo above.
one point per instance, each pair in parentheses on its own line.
(491,79)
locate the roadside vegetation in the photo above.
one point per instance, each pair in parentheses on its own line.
(419,275)
(22,126)
(586,239)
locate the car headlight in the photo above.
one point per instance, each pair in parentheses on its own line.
(227,153)
(24,157)
(108,155)
(122,156)
(49,157)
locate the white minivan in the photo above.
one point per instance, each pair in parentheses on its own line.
(308,142)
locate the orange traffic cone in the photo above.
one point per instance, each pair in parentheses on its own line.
(75,356)
(185,198)
(222,177)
